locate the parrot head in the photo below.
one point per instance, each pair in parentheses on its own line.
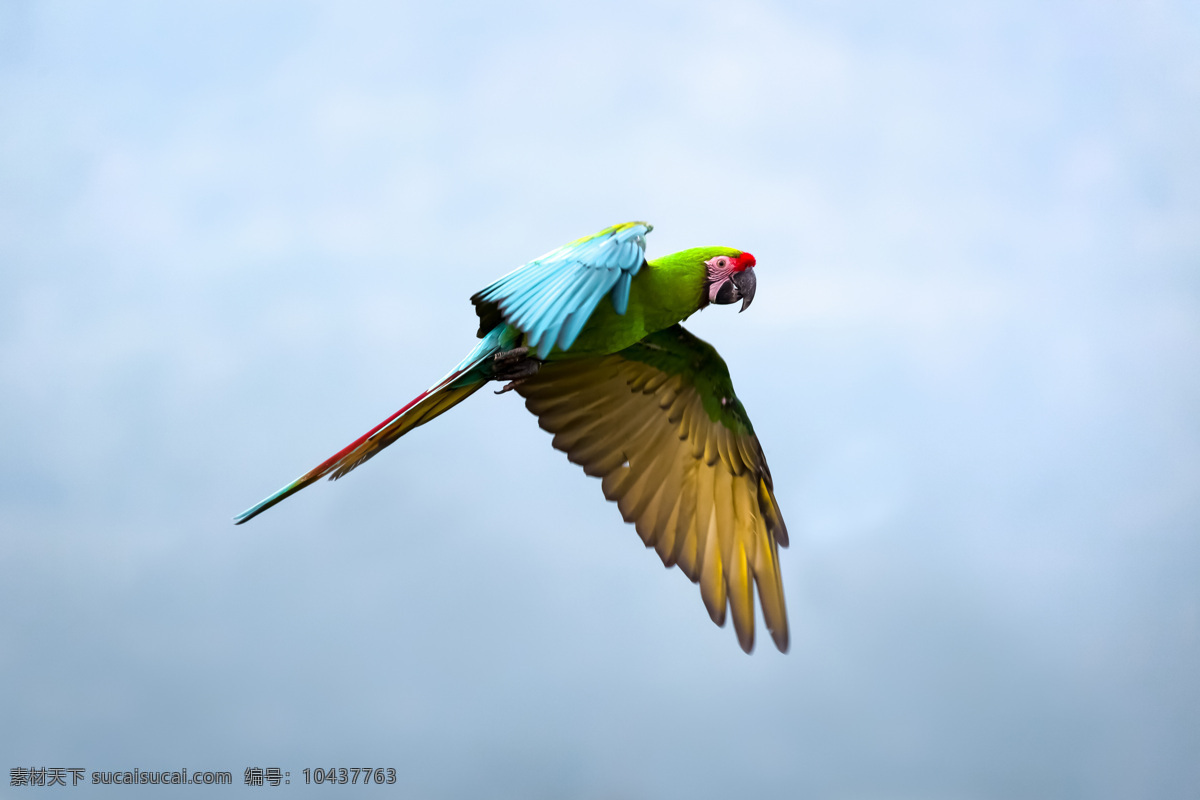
(731,278)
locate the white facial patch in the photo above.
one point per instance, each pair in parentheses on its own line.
(720,268)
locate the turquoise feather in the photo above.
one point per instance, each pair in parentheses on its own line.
(552,297)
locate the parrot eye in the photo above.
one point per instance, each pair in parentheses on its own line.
(722,262)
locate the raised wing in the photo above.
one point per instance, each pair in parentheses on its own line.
(660,425)
(550,298)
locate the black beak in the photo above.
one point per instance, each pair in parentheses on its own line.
(745,283)
(727,293)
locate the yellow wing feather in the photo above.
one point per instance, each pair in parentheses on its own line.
(697,492)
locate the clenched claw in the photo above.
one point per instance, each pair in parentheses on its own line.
(513,366)
(505,356)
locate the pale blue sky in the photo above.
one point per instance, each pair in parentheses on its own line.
(235,238)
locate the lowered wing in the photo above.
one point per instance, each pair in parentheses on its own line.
(659,424)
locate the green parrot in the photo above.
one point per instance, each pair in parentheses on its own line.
(634,399)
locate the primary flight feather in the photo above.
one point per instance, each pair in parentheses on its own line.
(589,336)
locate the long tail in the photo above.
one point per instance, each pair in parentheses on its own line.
(462,382)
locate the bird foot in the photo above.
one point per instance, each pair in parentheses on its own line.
(508,356)
(514,366)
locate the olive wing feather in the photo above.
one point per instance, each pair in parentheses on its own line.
(659,424)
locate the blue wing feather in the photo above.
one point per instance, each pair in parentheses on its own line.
(540,295)
(590,295)
(620,293)
(551,298)
(574,312)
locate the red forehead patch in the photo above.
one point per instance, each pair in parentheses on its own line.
(743,261)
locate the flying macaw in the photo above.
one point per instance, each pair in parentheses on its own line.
(589,336)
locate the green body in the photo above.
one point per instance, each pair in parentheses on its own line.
(677,352)
(665,291)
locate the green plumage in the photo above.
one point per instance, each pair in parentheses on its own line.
(676,352)
(589,335)
(666,291)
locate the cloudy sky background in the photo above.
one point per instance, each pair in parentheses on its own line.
(233,238)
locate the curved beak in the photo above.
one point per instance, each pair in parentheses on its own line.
(745,283)
(738,286)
